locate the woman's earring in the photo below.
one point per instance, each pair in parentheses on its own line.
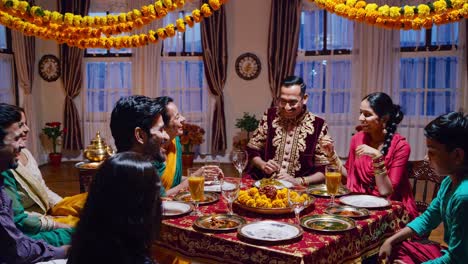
(384,131)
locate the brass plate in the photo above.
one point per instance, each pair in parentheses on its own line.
(209,198)
(347,211)
(88,165)
(321,190)
(219,222)
(327,223)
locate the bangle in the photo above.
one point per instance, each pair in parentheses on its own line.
(378,165)
(303,181)
(378,159)
(380,172)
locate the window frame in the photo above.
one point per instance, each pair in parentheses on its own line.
(8,52)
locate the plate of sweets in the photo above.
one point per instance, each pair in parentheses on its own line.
(347,211)
(219,222)
(269,200)
(208,198)
(279,184)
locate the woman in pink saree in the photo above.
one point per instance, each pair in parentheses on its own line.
(378,155)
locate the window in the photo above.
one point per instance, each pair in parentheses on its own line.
(182,75)
(108,77)
(7,72)
(324,60)
(429,70)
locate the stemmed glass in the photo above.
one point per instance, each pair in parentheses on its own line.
(298,199)
(230,191)
(196,182)
(333,181)
(213,161)
(239,160)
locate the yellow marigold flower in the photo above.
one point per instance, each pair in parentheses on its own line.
(464,10)
(384,10)
(138,22)
(145,10)
(352,12)
(14,4)
(180,24)
(122,18)
(360,4)
(281,195)
(205,10)
(454,15)
(189,21)
(252,191)
(440,6)
(351,3)
(395,12)
(423,11)
(440,19)
(161,33)
(76,21)
(214,4)
(457,4)
(22,6)
(261,203)
(196,16)
(160,10)
(361,15)
(427,23)
(408,11)
(241,192)
(68,19)
(371,7)
(136,13)
(330,5)
(371,17)
(293,194)
(416,23)
(341,9)
(167,3)
(170,30)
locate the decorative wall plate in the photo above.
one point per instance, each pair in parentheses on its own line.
(49,68)
(248,66)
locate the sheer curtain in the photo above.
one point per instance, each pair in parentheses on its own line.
(7,85)
(181,76)
(106,82)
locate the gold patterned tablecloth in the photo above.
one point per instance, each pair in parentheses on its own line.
(177,234)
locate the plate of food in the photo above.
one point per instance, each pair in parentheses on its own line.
(268,200)
(208,198)
(268,232)
(87,165)
(327,223)
(212,186)
(365,201)
(174,208)
(219,222)
(279,184)
(347,211)
(321,190)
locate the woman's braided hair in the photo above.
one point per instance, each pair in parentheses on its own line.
(383,106)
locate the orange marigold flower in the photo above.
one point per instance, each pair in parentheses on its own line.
(206,10)
(360,4)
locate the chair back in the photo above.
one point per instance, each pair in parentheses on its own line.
(423,177)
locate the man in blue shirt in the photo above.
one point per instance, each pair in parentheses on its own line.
(447,152)
(15,247)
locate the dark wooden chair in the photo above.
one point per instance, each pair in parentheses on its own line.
(422,176)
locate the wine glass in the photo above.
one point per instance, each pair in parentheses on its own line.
(213,161)
(196,182)
(230,191)
(239,160)
(333,181)
(298,199)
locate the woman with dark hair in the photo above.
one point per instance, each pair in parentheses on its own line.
(447,153)
(378,155)
(122,214)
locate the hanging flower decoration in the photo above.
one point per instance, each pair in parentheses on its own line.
(396,17)
(90,37)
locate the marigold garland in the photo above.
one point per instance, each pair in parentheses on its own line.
(395,17)
(79,37)
(38,16)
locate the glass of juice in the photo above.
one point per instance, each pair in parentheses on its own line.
(196,182)
(333,181)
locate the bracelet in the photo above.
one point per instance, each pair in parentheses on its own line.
(380,172)
(378,159)
(303,181)
(378,165)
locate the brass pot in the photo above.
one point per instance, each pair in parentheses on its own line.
(98,150)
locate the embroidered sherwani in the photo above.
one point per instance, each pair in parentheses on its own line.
(292,143)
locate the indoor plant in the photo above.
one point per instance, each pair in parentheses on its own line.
(247,123)
(53,131)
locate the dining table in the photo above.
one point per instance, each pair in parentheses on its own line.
(351,246)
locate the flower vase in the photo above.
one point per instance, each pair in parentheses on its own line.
(187,162)
(55,159)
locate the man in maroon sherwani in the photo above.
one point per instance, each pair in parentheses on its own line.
(285,144)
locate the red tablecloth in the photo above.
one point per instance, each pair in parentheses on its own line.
(177,234)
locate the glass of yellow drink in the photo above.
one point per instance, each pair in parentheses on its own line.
(196,182)
(333,181)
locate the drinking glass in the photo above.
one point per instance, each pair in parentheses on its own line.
(333,181)
(239,160)
(298,199)
(230,191)
(213,160)
(196,182)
